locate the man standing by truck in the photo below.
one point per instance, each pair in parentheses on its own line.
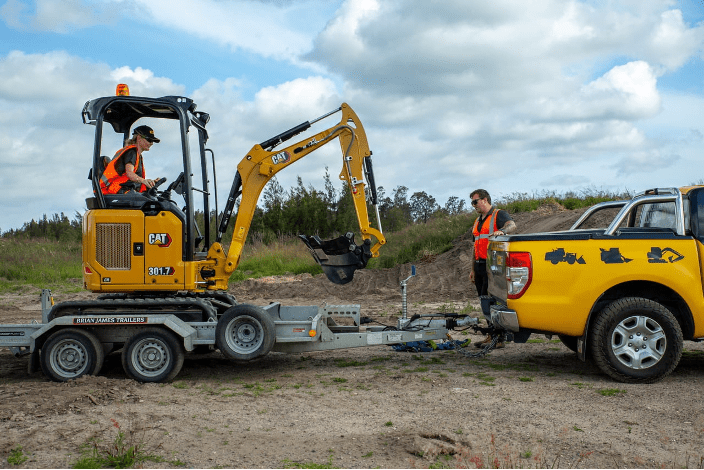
(491,222)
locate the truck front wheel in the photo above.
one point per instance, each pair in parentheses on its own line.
(636,340)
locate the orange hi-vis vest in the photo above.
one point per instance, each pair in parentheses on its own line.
(111,181)
(481,235)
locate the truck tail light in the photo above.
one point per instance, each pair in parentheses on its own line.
(519,273)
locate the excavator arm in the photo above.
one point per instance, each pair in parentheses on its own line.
(340,257)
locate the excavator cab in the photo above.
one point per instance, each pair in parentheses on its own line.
(146,242)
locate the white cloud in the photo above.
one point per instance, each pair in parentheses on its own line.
(644,162)
(633,85)
(61,16)
(672,43)
(625,92)
(304,96)
(566,179)
(269,29)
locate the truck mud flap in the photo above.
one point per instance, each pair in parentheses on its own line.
(339,257)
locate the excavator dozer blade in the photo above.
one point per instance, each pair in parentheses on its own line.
(339,257)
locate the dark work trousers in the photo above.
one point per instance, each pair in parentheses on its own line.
(481,280)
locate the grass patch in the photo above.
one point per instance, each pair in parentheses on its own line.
(290,464)
(349,363)
(257,389)
(16,456)
(520,367)
(692,354)
(127,450)
(282,256)
(40,263)
(422,241)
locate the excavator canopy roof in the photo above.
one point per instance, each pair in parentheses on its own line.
(122,111)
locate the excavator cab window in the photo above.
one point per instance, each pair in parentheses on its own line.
(115,118)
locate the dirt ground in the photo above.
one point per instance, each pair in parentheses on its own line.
(531,405)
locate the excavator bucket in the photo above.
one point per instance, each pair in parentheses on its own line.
(339,257)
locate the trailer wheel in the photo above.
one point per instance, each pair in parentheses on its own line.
(71,353)
(153,355)
(636,340)
(245,332)
(570,342)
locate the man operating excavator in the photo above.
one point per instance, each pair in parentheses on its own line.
(126,172)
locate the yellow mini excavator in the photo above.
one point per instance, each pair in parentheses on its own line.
(162,282)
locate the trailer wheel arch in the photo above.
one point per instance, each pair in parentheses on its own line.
(648,290)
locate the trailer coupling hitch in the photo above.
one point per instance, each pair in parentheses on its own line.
(339,257)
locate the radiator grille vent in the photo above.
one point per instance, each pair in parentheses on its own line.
(112,245)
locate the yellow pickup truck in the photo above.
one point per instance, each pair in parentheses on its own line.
(624,296)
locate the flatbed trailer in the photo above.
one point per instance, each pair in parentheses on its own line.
(154,344)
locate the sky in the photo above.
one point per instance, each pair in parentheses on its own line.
(510,96)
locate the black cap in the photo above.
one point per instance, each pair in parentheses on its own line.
(146,132)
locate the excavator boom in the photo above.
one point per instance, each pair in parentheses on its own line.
(340,257)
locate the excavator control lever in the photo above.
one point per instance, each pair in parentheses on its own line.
(339,257)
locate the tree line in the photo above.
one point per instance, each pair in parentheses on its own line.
(330,211)
(57,227)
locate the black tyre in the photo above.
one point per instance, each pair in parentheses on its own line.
(71,353)
(636,340)
(153,355)
(245,332)
(569,341)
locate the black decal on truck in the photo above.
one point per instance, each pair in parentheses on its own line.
(613,256)
(656,255)
(558,255)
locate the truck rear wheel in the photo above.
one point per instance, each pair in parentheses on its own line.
(636,340)
(153,355)
(71,353)
(245,332)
